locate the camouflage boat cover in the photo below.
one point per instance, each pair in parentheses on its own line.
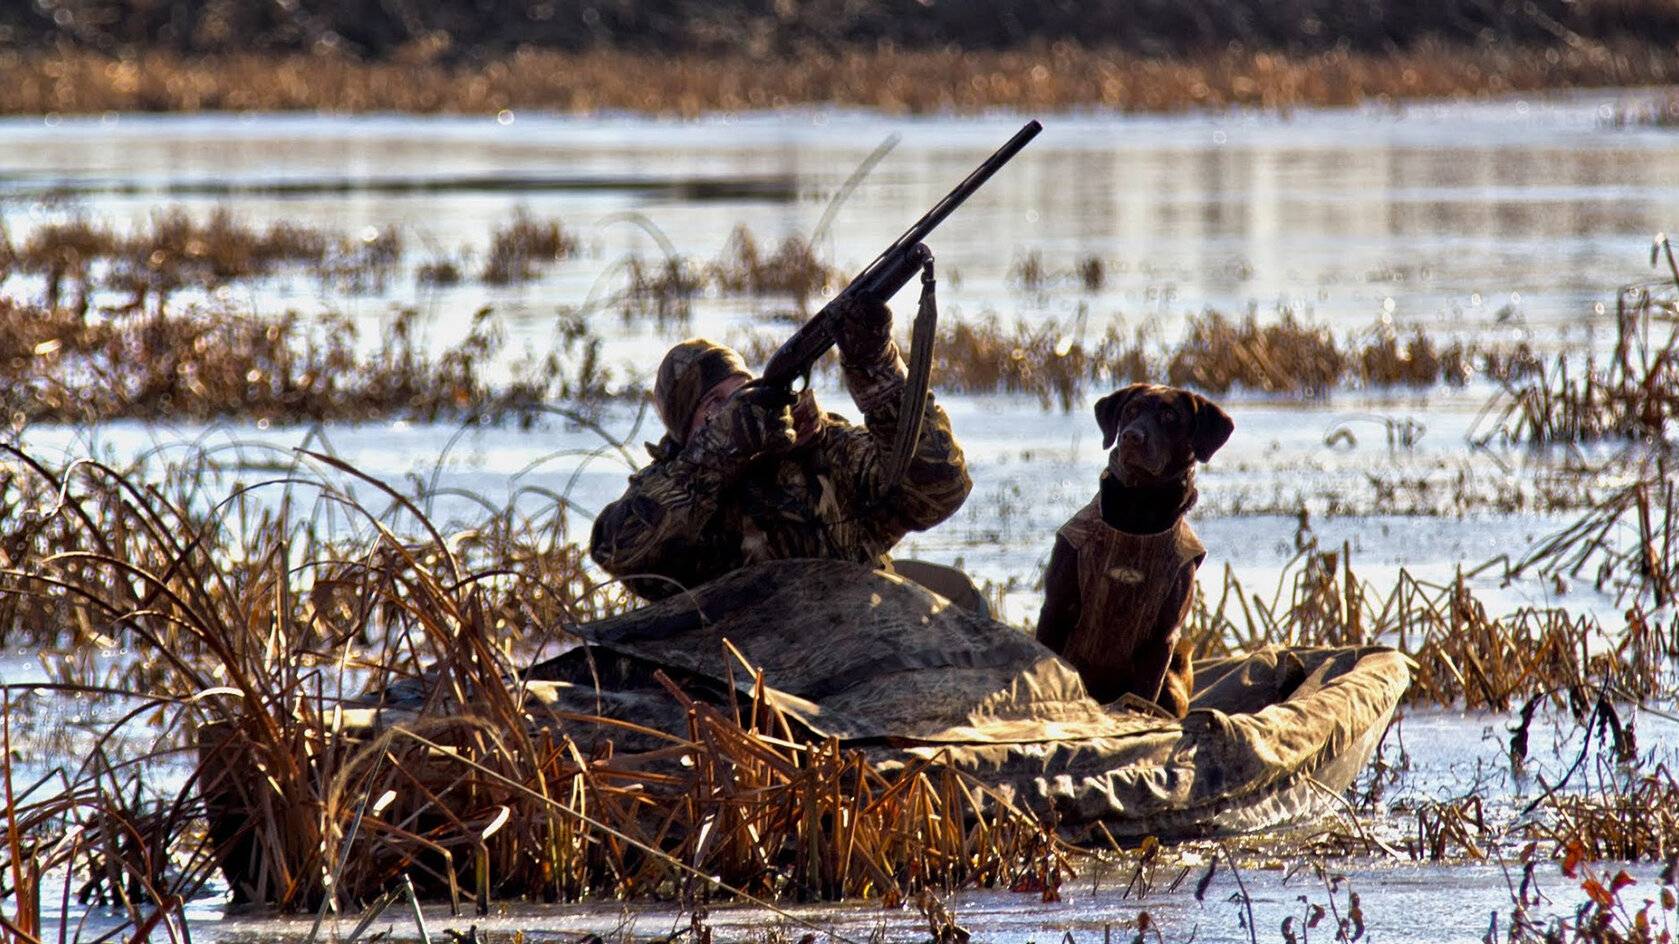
(896,671)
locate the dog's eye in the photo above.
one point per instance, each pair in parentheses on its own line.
(1169,417)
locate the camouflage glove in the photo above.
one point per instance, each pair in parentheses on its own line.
(864,333)
(756,422)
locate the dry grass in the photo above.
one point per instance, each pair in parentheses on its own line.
(1061,363)
(254,616)
(174,250)
(523,247)
(1626,544)
(792,270)
(1632,821)
(1634,396)
(1052,77)
(202,364)
(1464,655)
(664,292)
(78,257)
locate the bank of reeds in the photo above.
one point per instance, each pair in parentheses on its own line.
(1045,77)
(84,263)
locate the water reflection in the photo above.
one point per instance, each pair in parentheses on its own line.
(1330,212)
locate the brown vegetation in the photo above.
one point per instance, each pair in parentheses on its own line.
(519,250)
(202,364)
(1626,544)
(1634,396)
(792,270)
(173,250)
(898,80)
(252,618)
(1060,363)
(764,29)
(1464,654)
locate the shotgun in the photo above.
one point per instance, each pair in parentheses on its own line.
(888,273)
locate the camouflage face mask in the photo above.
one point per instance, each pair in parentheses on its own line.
(686,374)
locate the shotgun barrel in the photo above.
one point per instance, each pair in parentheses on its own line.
(889,272)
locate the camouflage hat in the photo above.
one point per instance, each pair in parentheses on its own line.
(686,375)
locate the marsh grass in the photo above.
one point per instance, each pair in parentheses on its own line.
(254,618)
(523,247)
(1059,362)
(1062,363)
(1626,544)
(1634,396)
(214,362)
(78,257)
(1463,654)
(792,270)
(1628,819)
(894,79)
(173,250)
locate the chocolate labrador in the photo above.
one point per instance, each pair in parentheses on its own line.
(1122,574)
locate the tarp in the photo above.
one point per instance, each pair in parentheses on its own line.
(895,670)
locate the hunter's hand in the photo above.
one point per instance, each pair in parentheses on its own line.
(864,332)
(756,422)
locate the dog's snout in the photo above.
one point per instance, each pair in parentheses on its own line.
(1132,436)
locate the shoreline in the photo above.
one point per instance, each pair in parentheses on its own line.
(1059,77)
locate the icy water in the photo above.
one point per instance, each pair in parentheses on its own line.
(1511,220)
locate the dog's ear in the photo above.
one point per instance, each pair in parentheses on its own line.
(1108,409)
(1213,427)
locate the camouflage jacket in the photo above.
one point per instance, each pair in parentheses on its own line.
(681,524)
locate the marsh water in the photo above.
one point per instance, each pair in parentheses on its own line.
(1501,221)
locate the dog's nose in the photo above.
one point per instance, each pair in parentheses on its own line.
(1133,437)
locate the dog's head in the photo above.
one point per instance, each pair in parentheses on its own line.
(1161,431)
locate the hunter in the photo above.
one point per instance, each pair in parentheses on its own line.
(741,477)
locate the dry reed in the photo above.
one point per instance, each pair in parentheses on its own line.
(173,250)
(1634,396)
(197,364)
(1463,654)
(1636,559)
(792,270)
(520,250)
(1060,362)
(1053,77)
(489,798)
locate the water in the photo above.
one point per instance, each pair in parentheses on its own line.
(1500,221)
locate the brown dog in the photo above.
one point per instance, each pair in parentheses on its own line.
(1122,574)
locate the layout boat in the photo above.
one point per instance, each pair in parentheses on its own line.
(885,667)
